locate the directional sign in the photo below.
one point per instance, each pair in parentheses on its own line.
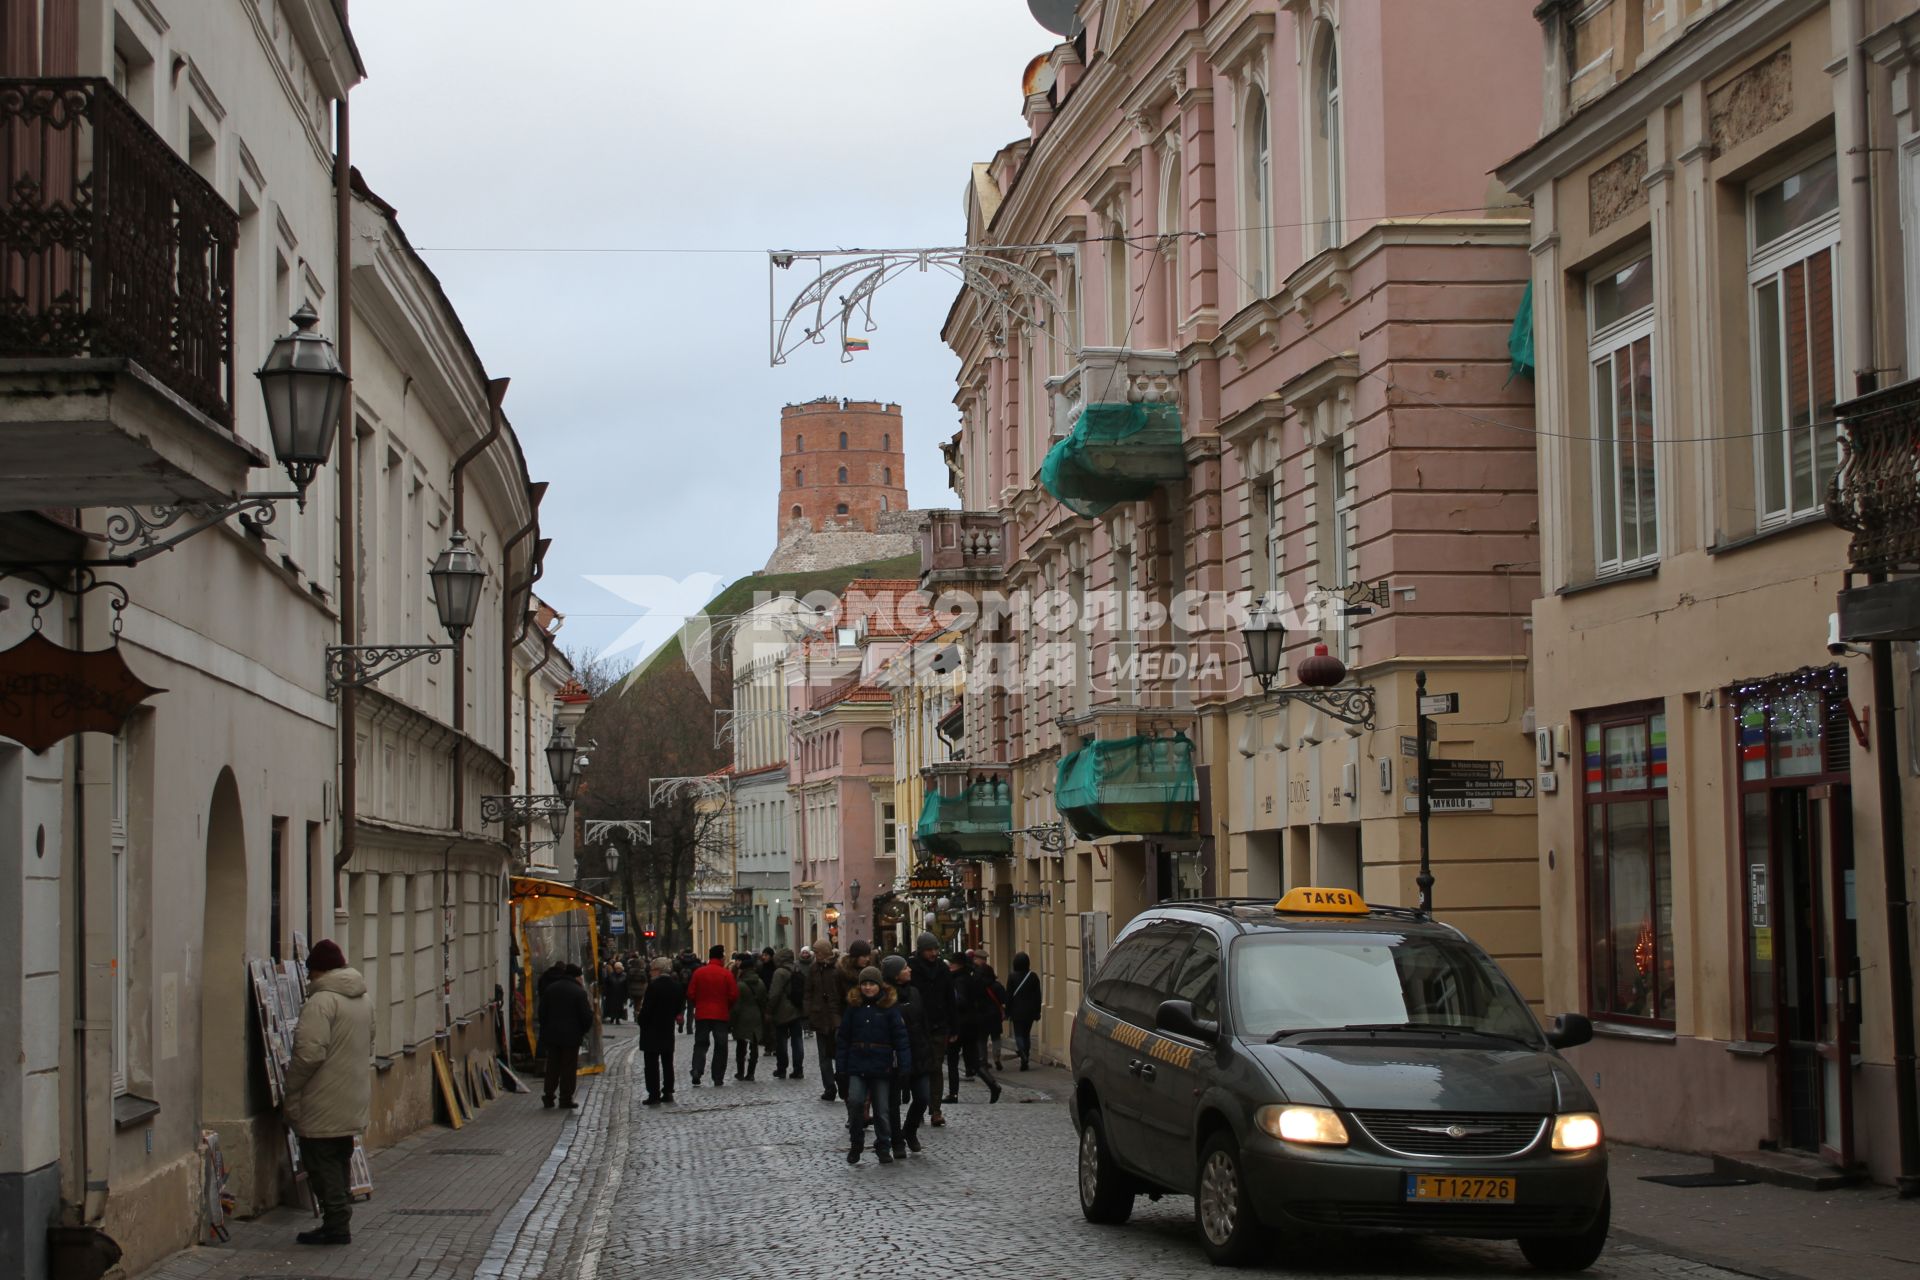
(1439,704)
(1438,804)
(1439,769)
(616,922)
(1481,788)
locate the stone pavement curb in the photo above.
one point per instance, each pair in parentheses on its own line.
(446,1205)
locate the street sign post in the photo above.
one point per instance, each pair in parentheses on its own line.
(1429,704)
(616,922)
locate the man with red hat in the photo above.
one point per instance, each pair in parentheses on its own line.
(329,1086)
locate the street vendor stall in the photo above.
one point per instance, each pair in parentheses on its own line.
(553,923)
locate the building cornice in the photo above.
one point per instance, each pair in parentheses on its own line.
(1715,43)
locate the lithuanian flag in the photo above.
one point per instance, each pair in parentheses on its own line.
(854,344)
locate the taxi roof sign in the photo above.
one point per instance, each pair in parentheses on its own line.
(1322,902)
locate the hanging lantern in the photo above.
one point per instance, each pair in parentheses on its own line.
(1321,670)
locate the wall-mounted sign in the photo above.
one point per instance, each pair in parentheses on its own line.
(48,693)
(1757,895)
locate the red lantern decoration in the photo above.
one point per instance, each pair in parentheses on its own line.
(1321,669)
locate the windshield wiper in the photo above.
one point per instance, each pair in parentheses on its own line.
(1425,1028)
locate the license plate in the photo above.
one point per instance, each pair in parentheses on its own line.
(1451,1188)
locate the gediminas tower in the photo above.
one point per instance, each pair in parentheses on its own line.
(842,463)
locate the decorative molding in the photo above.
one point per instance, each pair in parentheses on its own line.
(1752,102)
(1617,189)
(1256,434)
(1231,49)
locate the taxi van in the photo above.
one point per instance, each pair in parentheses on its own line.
(1319,1064)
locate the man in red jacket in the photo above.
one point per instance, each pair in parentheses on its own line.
(712,992)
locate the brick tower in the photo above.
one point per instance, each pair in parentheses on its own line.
(842,463)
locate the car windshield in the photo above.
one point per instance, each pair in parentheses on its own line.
(1319,982)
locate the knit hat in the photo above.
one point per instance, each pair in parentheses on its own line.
(924,942)
(716,952)
(893,967)
(806,953)
(860,947)
(871,974)
(326,955)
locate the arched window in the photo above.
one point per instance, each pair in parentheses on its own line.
(843,439)
(886,440)
(886,475)
(1172,264)
(799,444)
(796,511)
(883,502)
(1258,146)
(1328,175)
(843,475)
(840,510)
(799,476)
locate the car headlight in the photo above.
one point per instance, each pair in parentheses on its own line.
(1576,1131)
(1316,1125)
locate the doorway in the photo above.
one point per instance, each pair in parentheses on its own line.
(228,1041)
(1803,968)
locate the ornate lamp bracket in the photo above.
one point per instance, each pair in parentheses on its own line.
(139,533)
(1052,836)
(519,811)
(1352,704)
(354,666)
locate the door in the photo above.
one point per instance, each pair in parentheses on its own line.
(1171,1072)
(1132,1072)
(1816,980)
(1838,1024)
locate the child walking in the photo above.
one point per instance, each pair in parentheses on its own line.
(870,1050)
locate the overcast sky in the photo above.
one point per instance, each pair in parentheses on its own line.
(641,386)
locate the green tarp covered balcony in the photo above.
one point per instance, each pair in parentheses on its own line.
(1130,786)
(1116,453)
(972,824)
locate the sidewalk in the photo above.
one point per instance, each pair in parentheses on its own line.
(1862,1233)
(444,1202)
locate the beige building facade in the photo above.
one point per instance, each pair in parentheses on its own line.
(1717,269)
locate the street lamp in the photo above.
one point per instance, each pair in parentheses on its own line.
(457,577)
(561,759)
(1266,639)
(853,892)
(831,915)
(303,385)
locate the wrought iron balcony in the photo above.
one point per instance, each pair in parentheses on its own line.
(1876,493)
(962,546)
(112,245)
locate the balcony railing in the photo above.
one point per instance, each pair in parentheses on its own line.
(1876,493)
(1112,375)
(111,245)
(962,546)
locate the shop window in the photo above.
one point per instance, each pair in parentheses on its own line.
(1620,368)
(1793,274)
(1628,866)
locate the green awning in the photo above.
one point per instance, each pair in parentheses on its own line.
(973,824)
(1117,453)
(1130,786)
(1520,340)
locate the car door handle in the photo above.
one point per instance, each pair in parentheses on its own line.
(1146,1071)
(1133,1067)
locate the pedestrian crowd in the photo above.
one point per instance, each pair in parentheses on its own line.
(888,1031)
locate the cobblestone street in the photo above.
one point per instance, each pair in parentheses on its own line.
(748,1180)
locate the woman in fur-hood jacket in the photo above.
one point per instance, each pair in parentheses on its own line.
(871,1048)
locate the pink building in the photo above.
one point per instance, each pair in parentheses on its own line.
(1275,365)
(840,771)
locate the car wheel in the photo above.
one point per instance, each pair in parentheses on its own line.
(1230,1230)
(1574,1252)
(1105,1196)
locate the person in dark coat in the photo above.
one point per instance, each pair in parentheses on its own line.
(767,962)
(934,982)
(657,1016)
(994,1010)
(613,994)
(971,1012)
(566,1017)
(786,1001)
(871,1049)
(1023,1006)
(846,977)
(825,1005)
(915,1085)
(748,1021)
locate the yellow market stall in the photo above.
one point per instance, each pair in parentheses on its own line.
(553,923)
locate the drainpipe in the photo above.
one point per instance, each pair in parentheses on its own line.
(1886,747)
(526,720)
(348,508)
(91,1193)
(496,395)
(510,636)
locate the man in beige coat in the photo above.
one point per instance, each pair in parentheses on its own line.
(329,1085)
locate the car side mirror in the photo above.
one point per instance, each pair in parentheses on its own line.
(1569,1030)
(1178,1017)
